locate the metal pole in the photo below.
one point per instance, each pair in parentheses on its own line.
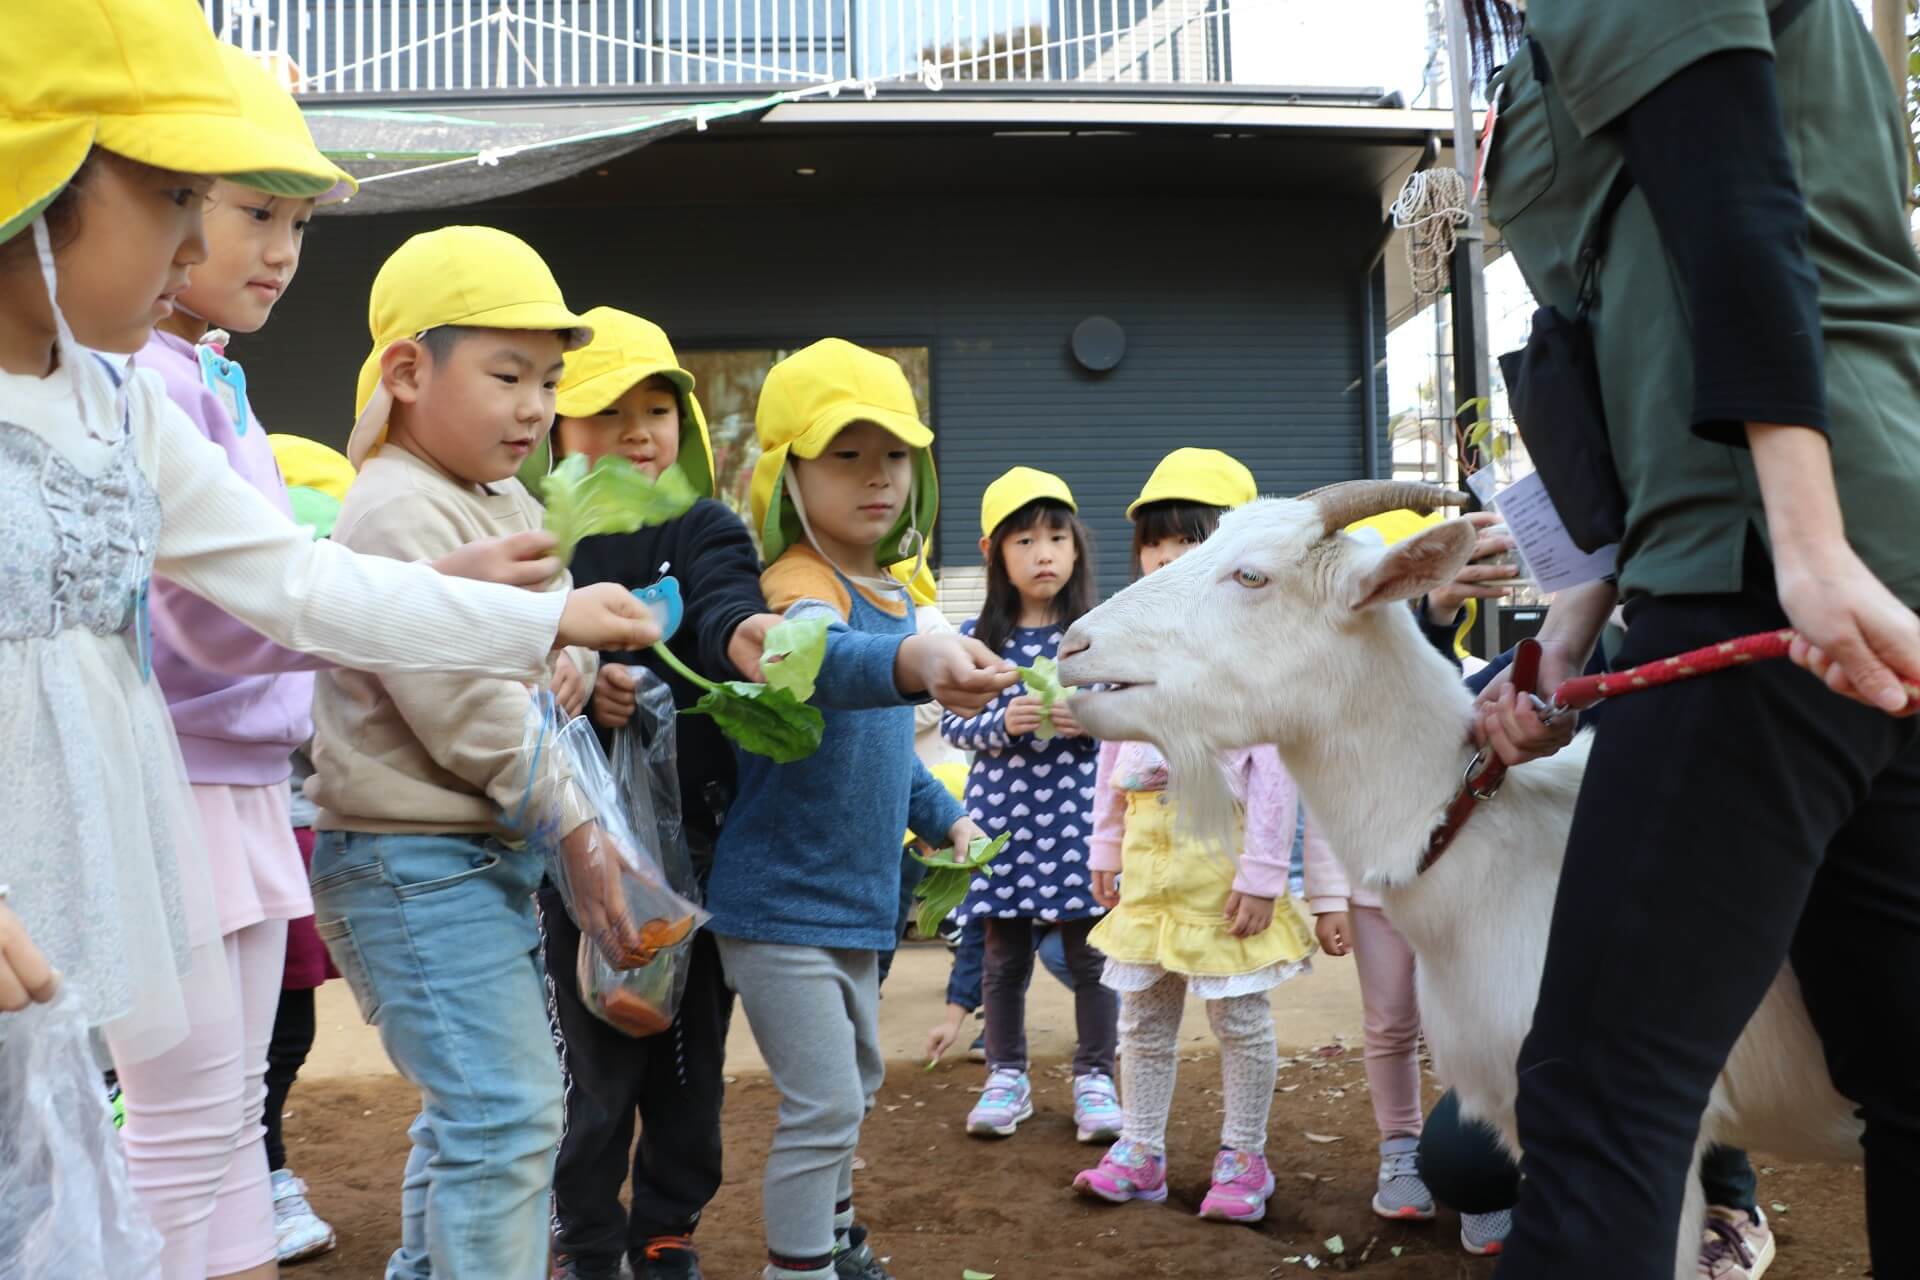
(1469,302)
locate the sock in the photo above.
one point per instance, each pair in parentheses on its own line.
(842,1220)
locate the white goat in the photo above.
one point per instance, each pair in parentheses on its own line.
(1281,630)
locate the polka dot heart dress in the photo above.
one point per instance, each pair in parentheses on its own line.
(1040,792)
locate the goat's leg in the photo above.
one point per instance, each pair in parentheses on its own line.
(1693,1220)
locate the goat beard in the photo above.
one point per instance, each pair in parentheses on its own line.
(1206,809)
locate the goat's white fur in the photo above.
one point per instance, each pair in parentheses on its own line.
(1272,632)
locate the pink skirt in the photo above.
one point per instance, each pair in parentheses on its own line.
(257,872)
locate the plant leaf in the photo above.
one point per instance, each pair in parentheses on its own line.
(614,496)
(945,885)
(1043,682)
(793,654)
(766,721)
(971,1274)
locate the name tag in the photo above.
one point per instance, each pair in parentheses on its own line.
(228,382)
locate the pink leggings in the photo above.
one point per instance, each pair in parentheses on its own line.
(1392,1022)
(193,1135)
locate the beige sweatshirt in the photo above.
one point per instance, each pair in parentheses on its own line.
(431,753)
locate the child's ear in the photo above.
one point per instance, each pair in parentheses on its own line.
(986,545)
(403,369)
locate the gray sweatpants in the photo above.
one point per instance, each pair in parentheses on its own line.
(815,1014)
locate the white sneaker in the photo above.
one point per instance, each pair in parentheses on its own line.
(298,1231)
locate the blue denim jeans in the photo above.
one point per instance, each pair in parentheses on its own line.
(436,936)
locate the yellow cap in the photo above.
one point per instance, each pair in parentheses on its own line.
(921,588)
(471,276)
(807,400)
(309,464)
(627,350)
(1015,490)
(1206,476)
(142,78)
(265,101)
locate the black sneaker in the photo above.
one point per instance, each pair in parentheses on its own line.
(855,1259)
(668,1258)
(565,1268)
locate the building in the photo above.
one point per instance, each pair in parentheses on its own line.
(968,184)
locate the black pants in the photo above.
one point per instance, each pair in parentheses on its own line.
(673,1083)
(1467,1169)
(1727,824)
(286,1053)
(1096,1009)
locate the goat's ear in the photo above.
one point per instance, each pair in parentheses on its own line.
(1410,568)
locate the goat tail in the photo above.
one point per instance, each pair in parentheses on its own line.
(1208,812)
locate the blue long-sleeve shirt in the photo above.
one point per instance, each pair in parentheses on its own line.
(810,853)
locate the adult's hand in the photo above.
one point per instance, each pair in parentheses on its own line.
(1854,633)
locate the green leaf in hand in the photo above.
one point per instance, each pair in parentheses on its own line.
(764,720)
(792,655)
(614,496)
(945,885)
(1043,682)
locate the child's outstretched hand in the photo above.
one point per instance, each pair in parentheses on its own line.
(25,976)
(1246,915)
(1335,932)
(515,559)
(606,616)
(569,686)
(1106,888)
(613,697)
(959,672)
(748,642)
(1023,714)
(594,871)
(946,1035)
(960,838)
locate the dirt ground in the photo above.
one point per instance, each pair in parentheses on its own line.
(940,1202)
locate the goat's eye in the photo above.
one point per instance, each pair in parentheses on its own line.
(1250,578)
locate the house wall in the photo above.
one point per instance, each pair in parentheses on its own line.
(1242,320)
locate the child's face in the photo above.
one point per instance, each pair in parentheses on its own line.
(139,236)
(480,411)
(1158,555)
(253,249)
(642,426)
(1039,560)
(855,491)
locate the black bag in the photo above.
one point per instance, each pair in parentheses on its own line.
(1553,385)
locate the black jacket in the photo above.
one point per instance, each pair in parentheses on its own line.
(709,551)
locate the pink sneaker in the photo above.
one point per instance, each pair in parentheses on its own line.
(1242,1184)
(1127,1172)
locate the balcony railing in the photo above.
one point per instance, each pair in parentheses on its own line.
(327,47)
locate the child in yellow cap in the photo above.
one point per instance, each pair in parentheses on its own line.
(426,906)
(1033,780)
(625,395)
(806,877)
(1184,921)
(112,117)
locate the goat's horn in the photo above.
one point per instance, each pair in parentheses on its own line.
(1350,500)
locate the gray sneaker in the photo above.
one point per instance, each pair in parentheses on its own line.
(1484,1235)
(856,1260)
(1402,1196)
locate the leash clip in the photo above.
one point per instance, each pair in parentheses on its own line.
(1478,790)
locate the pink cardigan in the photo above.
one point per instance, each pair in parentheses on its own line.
(1327,887)
(1271,803)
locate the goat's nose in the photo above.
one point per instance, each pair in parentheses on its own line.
(1076,643)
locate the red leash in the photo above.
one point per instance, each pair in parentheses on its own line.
(1485,772)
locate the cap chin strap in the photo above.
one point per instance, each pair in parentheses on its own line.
(912,539)
(67,347)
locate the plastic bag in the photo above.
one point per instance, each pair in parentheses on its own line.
(65,1206)
(608,871)
(646,769)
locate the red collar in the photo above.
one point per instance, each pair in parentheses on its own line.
(1485,772)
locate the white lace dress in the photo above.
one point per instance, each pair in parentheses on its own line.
(99,844)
